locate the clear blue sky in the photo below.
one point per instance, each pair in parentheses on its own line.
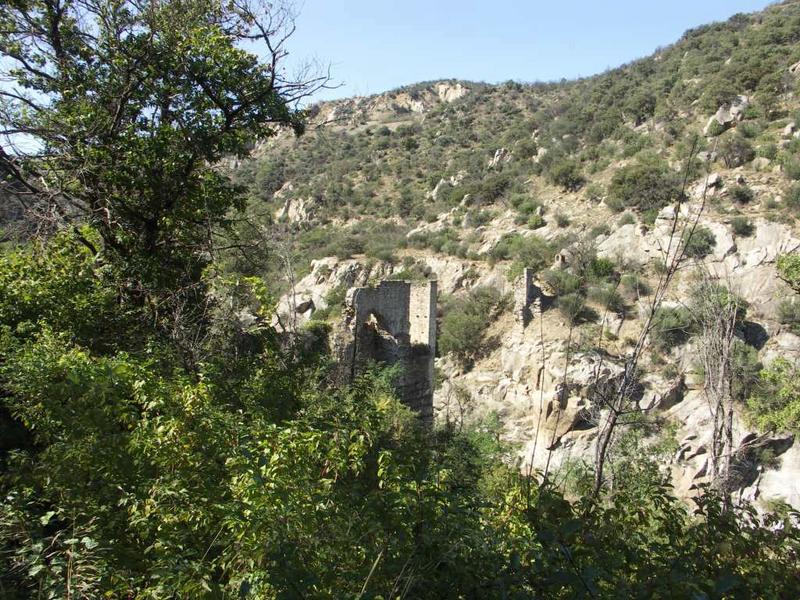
(377,45)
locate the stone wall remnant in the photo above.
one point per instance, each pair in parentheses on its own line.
(393,323)
(526,296)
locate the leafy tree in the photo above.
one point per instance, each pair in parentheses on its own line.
(129,106)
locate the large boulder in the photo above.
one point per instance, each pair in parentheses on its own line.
(728,114)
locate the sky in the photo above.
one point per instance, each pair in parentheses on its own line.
(374,46)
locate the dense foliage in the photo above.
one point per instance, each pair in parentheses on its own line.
(160,439)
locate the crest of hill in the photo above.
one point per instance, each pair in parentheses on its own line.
(443,159)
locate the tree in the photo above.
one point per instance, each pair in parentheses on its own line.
(116,113)
(717,312)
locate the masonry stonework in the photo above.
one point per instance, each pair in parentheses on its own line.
(393,323)
(527,295)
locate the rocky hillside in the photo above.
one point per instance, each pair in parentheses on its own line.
(586,182)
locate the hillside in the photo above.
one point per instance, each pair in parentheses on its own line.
(457,340)
(469,183)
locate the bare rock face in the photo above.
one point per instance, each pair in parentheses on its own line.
(449,92)
(782,483)
(501,155)
(726,115)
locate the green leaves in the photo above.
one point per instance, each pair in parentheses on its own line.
(788,266)
(775,403)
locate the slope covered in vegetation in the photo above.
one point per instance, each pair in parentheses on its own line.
(161,438)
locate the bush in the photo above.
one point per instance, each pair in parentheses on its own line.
(792,199)
(599,230)
(601,268)
(742,226)
(566,174)
(735,151)
(716,128)
(769,151)
(791,168)
(562,282)
(464,322)
(670,327)
(609,297)
(626,219)
(489,189)
(789,270)
(478,218)
(741,193)
(572,307)
(644,186)
(699,243)
(789,314)
(594,192)
(562,220)
(775,404)
(536,221)
(531,251)
(634,285)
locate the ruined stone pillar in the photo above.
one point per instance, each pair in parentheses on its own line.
(394,324)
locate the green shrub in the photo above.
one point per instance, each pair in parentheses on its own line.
(464,323)
(334,300)
(572,307)
(535,221)
(741,193)
(789,270)
(478,218)
(644,186)
(671,327)
(601,268)
(791,168)
(562,282)
(735,150)
(698,243)
(562,220)
(489,189)
(775,403)
(749,129)
(769,151)
(566,174)
(634,285)
(742,226)
(594,192)
(609,297)
(598,230)
(627,218)
(792,198)
(531,251)
(789,314)
(716,128)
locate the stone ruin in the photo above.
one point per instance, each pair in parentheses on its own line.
(393,323)
(527,298)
